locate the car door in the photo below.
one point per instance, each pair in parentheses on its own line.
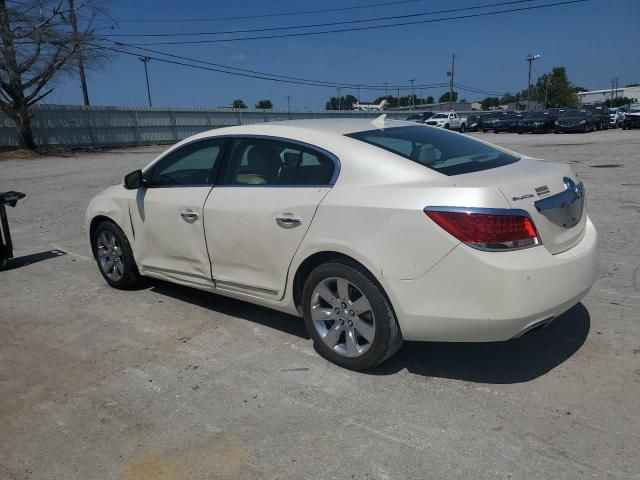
(261,209)
(166,214)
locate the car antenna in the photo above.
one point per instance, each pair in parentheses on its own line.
(379,121)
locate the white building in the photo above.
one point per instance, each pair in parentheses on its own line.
(600,96)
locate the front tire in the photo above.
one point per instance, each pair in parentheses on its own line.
(349,317)
(114,256)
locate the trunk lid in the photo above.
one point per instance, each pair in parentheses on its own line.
(549,192)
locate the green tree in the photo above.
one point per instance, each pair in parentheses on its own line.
(238,103)
(556,88)
(430,100)
(342,103)
(618,102)
(445,97)
(508,98)
(264,105)
(489,103)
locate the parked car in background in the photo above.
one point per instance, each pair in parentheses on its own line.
(616,117)
(473,122)
(493,245)
(600,116)
(420,117)
(537,122)
(575,120)
(489,120)
(631,120)
(448,120)
(508,123)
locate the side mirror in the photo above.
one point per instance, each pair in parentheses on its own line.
(134,180)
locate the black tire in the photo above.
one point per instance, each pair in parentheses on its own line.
(4,263)
(387,339)
(484,130)
(557,130)
(446,126)
(130,276)
(462,129)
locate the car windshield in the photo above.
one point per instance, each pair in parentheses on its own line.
(439,150)
(441,115)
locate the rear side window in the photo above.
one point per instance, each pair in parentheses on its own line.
(265,162)
(439,150)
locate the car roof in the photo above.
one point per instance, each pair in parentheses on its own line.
(339,126)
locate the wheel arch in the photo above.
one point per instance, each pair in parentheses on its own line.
(93,225)
(316,259)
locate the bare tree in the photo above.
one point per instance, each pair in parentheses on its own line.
(40,39)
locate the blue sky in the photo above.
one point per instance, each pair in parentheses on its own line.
(595,41)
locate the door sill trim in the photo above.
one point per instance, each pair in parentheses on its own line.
(226,285)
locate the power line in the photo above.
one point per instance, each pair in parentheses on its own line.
(254,76)
(369,27)
(268,15)
(316,25)
(245,70)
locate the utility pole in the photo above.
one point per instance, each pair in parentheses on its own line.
(289,104)
(421,97)
(546,91)
(530,59)
(339,99)
(413,105)
(74,26)
(358,93)
(451,74)
(146,60)
(398,97)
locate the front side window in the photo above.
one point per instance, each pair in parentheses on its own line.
(439,150)
(264,162)
(193,164)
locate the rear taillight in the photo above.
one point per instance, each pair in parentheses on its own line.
(487,229)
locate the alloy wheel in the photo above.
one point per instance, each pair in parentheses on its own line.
(110,255)
(343,316)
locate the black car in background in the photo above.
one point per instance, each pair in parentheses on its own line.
(631,120)
(600,116)
(538,122)
(575,120)
(490,120)
(420,117)
(473,122)
(508,123)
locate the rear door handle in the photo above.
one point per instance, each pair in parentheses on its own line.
(189,216)
(288,222)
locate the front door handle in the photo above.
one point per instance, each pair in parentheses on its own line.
(189,217)
(288,222)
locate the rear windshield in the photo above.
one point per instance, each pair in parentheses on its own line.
(439,150)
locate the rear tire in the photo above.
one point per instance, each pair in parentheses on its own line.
(349,317)
(462,129)
(114,256)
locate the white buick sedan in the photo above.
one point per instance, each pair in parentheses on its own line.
(373,231)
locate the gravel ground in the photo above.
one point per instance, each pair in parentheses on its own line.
(171,383)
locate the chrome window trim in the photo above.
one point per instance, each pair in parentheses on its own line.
(308,146)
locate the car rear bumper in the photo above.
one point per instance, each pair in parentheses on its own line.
(477,296)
